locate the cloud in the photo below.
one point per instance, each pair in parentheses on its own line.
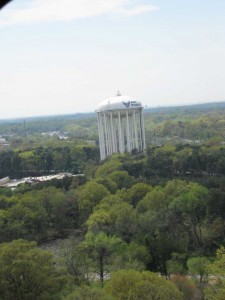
(67,10)
(137,10)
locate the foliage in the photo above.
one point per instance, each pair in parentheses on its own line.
(102,249)
(185,286)
(131,284)
(38,215)
(88,293)
(216,288)
(90,195)
(28,273)
(76,261)
(41,160)
(108,167)
(162,211)
(198,268)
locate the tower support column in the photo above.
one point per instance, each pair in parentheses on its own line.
(128,131)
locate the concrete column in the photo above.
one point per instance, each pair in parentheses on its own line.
(143,130)
(131,133)
(109,133)
(127,132)
(121,148)
(106,135)
(115,134)
(135,130)
(112,133)
(101,136)
(140,130)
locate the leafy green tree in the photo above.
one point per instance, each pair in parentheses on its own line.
(134,256)
(122,179)
(131,284)
(28,273)
(102,249)
(108,167)
(198,268)
(185,286)
(124,219)
(76,260)
(90,195)
(30,214)
(162,236)
(108,183)
(88,293)
(137,192)
(177,264)
(114,216)
(100,220)
(215,290)
(153,200)
(57,207)
(190,208)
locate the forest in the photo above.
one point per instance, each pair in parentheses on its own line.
(136,226)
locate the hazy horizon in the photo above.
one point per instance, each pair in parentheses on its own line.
(65,56)
(25,117)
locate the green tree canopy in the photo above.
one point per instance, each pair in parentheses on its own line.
(102,249)
(28,273)
(131,284)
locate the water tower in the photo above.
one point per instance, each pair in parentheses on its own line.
(120,126)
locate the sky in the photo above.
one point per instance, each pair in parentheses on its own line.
(66,56)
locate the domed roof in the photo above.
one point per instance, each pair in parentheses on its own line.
(118,103)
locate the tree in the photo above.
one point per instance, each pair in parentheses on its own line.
(131,284)
(122,179)
(216,289)
(137,192)
(153,200)
(134,256)
(124,219)
(90,195)
(28,273)
(76,260)
(117,217)
(88,293)
(190,208)
(198,269)
(108,167)
(102,249)
(185,286)
(177,264)
(108,183)
(100,220)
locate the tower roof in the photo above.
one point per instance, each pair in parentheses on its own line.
(119,103)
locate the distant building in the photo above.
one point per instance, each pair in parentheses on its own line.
(120,126)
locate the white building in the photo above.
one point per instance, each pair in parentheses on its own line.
(120,126)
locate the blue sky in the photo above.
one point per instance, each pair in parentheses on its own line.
(66,56)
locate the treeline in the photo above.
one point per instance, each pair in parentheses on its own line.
(185,161)
(33,125)
(187,123)
(167,161)
(189,162)
(197,122)
(200,128)
(33,161)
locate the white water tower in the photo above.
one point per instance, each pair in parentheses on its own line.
(120,126)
